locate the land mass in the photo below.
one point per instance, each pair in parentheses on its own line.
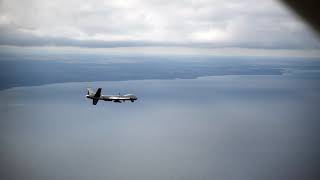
(28,72)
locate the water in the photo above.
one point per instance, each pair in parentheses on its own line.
(223,127)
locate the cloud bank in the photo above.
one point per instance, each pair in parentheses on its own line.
(186,23)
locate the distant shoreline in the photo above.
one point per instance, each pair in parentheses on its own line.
(22,73)
(35,85)
(33,73)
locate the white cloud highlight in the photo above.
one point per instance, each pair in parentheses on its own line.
(213,23)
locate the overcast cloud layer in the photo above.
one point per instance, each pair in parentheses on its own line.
(187,23)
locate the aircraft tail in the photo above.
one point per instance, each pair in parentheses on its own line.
(95,101)
(96,95)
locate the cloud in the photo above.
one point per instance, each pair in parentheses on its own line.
(187,23)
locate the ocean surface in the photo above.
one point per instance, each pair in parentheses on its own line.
(237,127)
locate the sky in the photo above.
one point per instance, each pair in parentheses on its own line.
(158,25)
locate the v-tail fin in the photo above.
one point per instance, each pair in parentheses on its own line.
(95,101)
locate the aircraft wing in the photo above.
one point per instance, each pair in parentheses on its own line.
(119,98)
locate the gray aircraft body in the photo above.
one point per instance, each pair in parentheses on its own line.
(96,96)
